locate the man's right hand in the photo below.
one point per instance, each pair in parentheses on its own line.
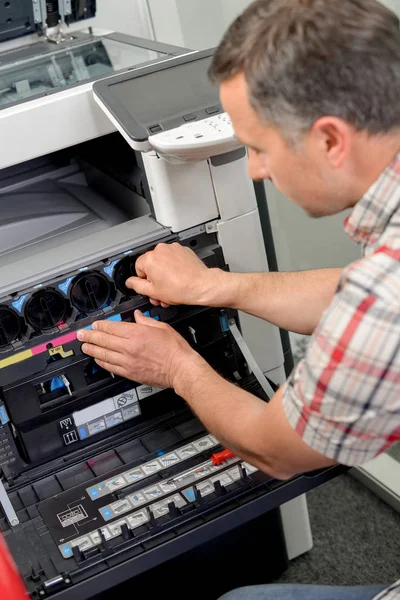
(172,274)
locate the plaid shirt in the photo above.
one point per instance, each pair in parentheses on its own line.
(343,398)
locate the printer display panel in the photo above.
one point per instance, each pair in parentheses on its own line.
(182,86)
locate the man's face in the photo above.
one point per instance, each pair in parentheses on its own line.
(302,172)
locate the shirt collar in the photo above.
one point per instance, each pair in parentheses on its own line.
(373,212)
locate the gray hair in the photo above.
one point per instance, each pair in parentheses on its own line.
(304,59)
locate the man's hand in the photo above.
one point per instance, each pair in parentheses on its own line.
(172,274)
(147,351)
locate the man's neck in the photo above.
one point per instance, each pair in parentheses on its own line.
(375,154)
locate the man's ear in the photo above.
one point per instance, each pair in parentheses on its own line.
(333,138)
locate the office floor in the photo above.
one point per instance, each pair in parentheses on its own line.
(356,538)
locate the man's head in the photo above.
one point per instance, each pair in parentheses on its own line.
(313,90)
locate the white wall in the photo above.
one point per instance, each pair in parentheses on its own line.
(126,16)
(194,24)
(166,21)
(232,8)
(393,5)
(303,243)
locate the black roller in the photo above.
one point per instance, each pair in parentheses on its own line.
(123,271)
(90,292)
(46,309)
(10,326)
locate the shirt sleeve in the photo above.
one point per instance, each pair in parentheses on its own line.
(343,398)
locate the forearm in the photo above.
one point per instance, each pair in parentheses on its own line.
(254,430)
(292,301)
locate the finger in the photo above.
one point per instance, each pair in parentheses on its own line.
(141,319)
(120,371)
(154,302)
(103,340)
(108,356)
(140,286)
(121,330)
(140,265)
(165,305)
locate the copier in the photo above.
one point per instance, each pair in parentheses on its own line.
(109,146)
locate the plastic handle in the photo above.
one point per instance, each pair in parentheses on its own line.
(221,457)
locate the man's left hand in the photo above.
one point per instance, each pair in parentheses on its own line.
(147,351)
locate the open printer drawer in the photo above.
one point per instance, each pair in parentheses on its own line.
(89,526)
(107,478)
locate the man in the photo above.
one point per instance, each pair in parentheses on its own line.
(313,90)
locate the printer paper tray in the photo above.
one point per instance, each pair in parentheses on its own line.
(35,545)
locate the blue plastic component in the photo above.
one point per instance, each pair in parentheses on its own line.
(148,314)
(64,287)
(3,416)
(190,495)
(107,514)
(82,433)
(160,453)
(18,304)
(109,270)
(93,493)
(67,551)
(56,384)
(116,318)
(224,323)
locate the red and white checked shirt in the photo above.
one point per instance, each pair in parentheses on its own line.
(344,397)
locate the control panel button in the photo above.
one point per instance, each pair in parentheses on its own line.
(212,110)
(190,117)
(106,513)
(155,128)
(94,493)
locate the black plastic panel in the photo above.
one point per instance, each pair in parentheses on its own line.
(82,9)
(206,521)
(16,19)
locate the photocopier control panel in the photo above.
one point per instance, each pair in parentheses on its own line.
(197,140)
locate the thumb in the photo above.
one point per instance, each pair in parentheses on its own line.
(141,319)
(140,286)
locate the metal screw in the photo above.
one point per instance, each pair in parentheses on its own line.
(67,580)
(41,593)
(14,522)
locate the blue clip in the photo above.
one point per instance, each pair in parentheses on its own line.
(4,419)
(18,304)
(190,495)
(224,323)
(67,551)
(56,384)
